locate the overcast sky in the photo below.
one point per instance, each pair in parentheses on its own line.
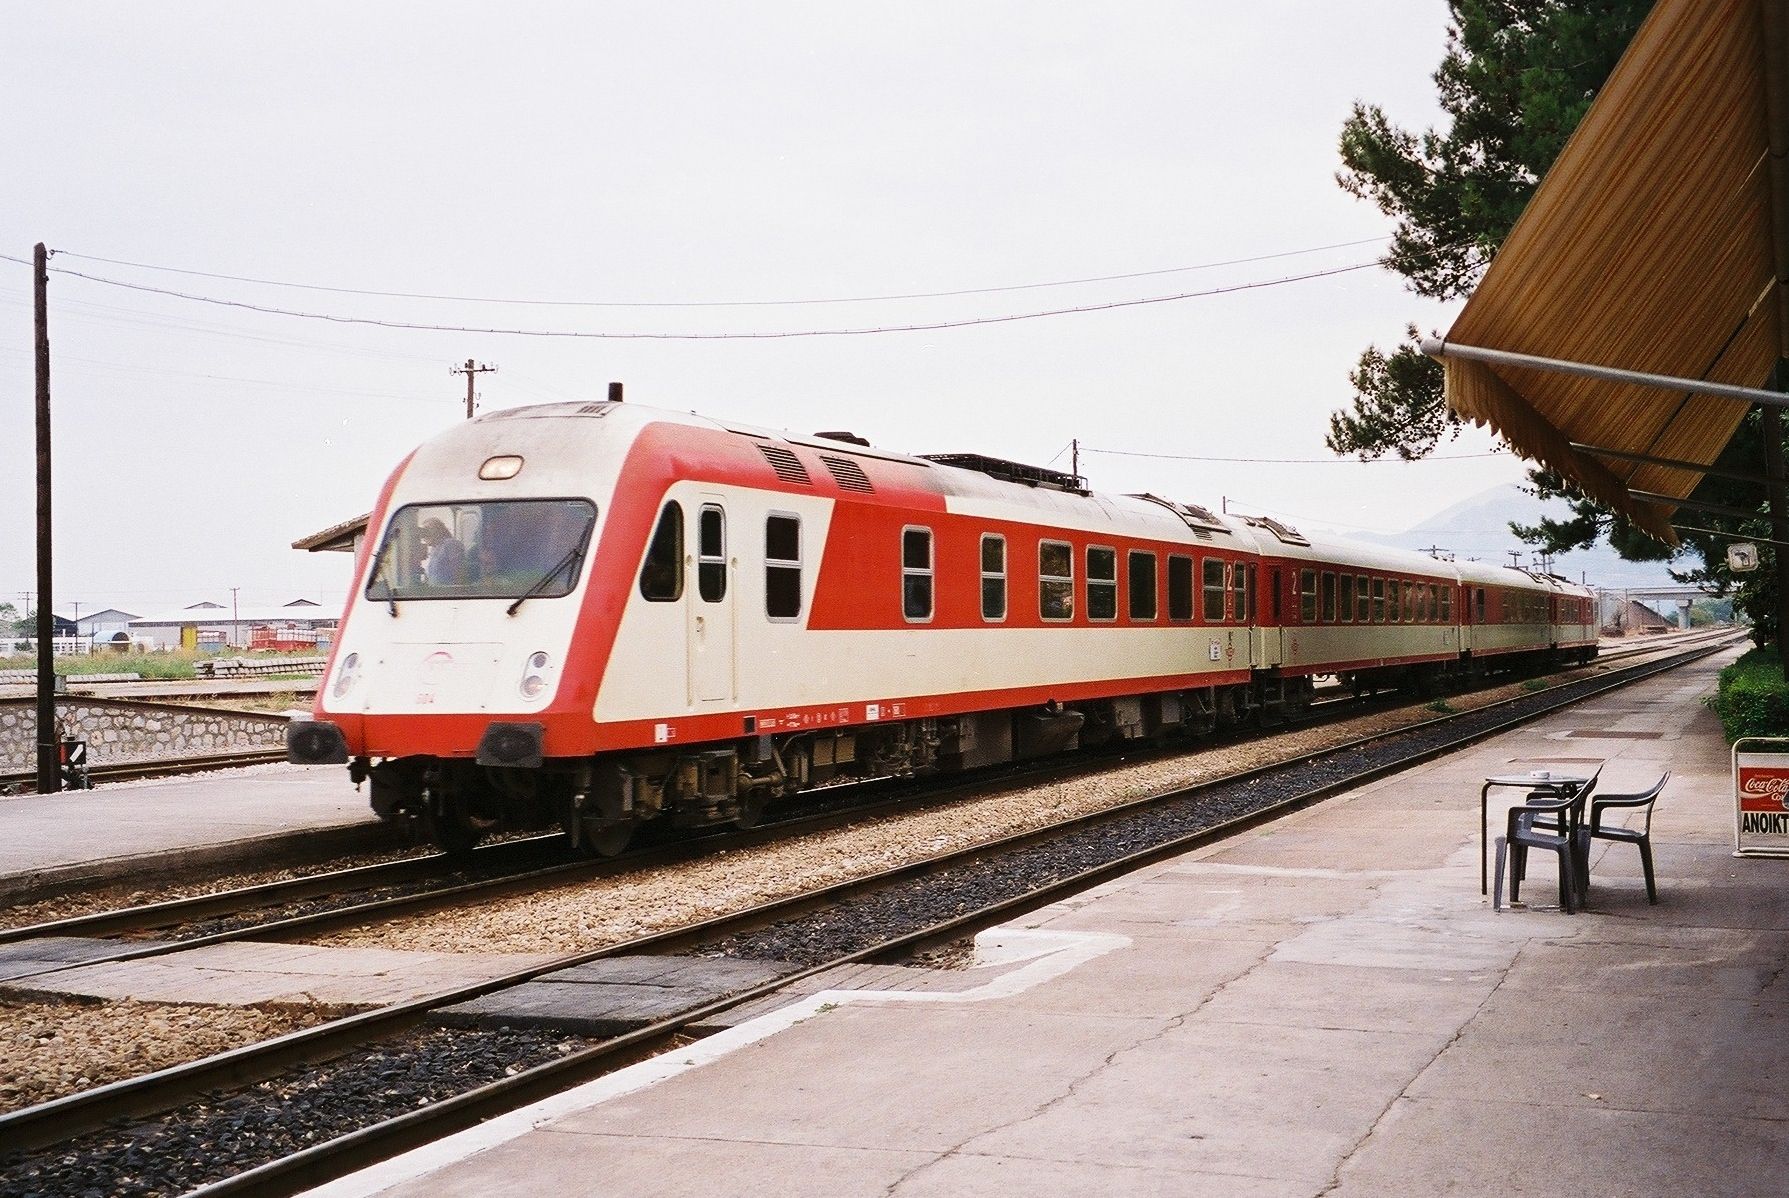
(674,157)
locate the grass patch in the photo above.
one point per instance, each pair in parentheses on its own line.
(1530,685)
(171,665)
(1440,707)
(1752,698)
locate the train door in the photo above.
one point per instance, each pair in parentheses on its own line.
(711,663)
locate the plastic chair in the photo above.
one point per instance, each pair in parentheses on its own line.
(1542,823)
(1641,836)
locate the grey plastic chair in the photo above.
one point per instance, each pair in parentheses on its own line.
(1641,836)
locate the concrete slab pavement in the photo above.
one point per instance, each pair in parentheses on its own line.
(241,817)
(1324,1006)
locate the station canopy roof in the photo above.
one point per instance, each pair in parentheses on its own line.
(1654,244)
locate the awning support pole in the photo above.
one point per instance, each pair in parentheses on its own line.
(1779,514)
(1435,347)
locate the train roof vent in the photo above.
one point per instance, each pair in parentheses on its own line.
(539,410)
(1285,532)
(1197,518)
(849,474)
(788,467)
(1012,472)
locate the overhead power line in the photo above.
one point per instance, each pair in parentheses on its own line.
(1336,461)
(931,326)
(767,303)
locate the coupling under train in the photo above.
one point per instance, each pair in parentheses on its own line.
(595,615)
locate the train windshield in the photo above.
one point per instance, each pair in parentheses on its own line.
(498,550)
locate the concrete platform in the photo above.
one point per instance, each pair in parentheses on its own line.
(1324,1006)
(249,818)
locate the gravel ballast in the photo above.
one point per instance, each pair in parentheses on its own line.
(53,1047)
(212,1139)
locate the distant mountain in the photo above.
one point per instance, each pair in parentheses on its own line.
(1479,528)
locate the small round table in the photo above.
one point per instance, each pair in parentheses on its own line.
(1563,785)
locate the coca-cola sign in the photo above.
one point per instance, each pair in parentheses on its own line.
(1763,789)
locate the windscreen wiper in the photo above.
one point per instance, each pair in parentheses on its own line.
(391,591)
(559,567)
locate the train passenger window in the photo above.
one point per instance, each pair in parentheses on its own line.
(1478,603)
(1447,605)
(993,576)
(1055,580)
(1214,590)
(1242,592)
(1180,587)
(1363,600)
(916,574)
(1379,601)
(1434,603)
(1409,603)
(1102,584)
(711,554)
(1346,607)
(1307,596)
(1140,578)
(1329,597)
(1393,599)
(661,576)
(782,568)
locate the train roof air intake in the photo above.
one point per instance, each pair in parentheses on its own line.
(1286,534)
(788,467)
(848,474)
(1012,472)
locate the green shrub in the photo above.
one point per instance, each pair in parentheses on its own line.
(1530,685)
(1752,698)
(1440,706)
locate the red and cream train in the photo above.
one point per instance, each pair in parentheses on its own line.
(595,615)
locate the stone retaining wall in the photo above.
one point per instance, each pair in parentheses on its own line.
(117,730)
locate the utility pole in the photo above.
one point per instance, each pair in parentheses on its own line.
(470,369)
(49,741)
(235,625)
(1074,459)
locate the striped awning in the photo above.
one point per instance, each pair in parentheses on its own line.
(1655,243)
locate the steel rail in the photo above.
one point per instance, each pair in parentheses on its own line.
(62,1118)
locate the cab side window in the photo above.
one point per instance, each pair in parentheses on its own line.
(711,554)
(661,575)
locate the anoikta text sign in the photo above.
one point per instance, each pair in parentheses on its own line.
(1761,797)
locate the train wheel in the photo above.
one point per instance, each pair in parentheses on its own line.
(446,824)
(610,841)
(751,808)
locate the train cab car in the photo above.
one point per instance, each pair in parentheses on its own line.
(597,615)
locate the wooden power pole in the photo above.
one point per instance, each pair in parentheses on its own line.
(49,741)
(470,370)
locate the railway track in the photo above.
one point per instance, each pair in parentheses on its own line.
(869,918)
(317,903)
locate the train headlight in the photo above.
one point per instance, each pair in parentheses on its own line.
(534,675)
(345,675)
